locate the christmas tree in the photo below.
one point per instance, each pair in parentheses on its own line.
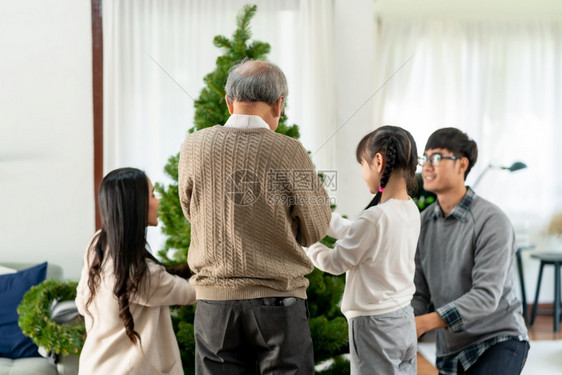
(327,324)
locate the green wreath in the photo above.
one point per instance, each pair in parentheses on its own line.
(36,323)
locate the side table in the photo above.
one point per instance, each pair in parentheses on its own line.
(551,259)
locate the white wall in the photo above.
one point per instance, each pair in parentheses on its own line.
(46,141)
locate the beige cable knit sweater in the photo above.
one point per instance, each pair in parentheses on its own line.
(253,198)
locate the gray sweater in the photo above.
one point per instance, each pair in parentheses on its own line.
(464,265)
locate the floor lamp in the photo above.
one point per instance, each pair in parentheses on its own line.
(514,167)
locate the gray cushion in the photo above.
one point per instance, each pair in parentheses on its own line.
(27,366)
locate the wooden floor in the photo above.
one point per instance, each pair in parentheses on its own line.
(542,329)
(425,367)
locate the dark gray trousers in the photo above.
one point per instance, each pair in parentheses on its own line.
(264,335)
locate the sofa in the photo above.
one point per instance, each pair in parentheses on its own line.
(15,279)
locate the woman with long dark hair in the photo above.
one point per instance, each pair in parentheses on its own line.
(124,293)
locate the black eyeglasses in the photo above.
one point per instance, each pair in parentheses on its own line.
(434,159)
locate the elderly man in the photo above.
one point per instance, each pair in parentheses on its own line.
(253,199)
(464,262)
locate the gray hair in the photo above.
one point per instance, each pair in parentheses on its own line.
(256,81)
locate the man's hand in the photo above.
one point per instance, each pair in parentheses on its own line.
(428,322)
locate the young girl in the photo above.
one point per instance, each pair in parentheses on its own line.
(124,292)
(377,252)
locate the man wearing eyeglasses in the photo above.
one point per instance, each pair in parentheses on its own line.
(464,263)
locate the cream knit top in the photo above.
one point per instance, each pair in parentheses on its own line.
(253,198)
(107,349)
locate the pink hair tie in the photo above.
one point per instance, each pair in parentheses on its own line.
(381,189)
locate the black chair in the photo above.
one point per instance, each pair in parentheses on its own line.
(552,259)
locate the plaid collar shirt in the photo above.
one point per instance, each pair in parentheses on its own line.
(461,210)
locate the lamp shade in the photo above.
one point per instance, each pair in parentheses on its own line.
(517,166)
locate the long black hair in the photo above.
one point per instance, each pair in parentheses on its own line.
(123,204)
(400,153)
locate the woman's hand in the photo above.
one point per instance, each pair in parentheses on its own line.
(181,270)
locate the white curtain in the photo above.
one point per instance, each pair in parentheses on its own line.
(316,95)
(157,52)
(499,81)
